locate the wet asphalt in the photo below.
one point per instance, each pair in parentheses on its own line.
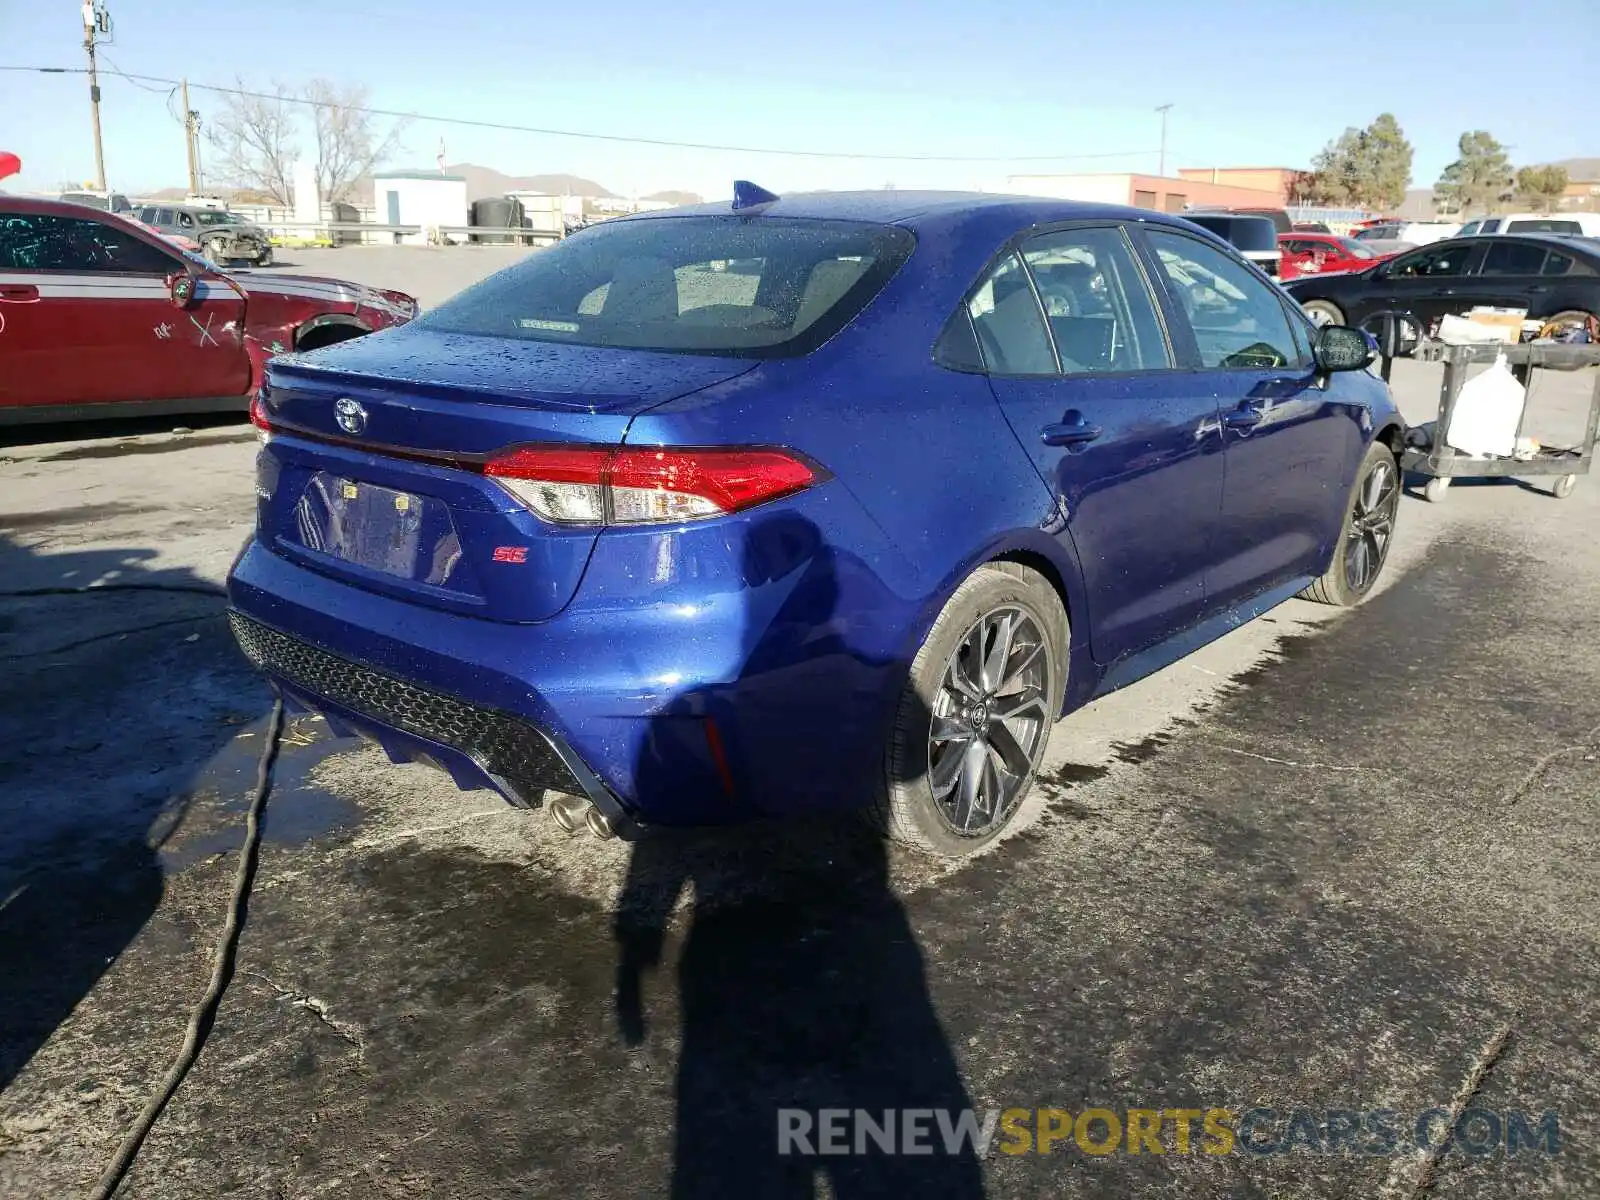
(1357,873)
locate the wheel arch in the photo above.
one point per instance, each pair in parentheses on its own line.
(341,326)
(1052,557)
(1393,435)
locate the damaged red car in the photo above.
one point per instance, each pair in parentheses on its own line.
(100,316)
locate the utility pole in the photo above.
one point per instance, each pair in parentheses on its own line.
(95,21)
(1162,109)
(191,132)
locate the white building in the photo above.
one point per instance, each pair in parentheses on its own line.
(423,198)
(547,213)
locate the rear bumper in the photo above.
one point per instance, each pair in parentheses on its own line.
(517,757)
(661,714)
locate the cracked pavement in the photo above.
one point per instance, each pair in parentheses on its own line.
(1332,860)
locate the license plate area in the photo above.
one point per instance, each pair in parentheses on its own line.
(396,533)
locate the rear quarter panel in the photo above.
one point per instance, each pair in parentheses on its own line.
(839,585)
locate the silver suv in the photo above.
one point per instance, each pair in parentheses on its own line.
(223,237)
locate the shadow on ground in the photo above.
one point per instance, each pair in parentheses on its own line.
(106,432)
(111,707)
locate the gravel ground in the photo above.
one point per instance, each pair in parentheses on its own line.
(1331,861)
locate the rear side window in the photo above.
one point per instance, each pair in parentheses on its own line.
(745,286)
(1512,258)
(1560,264)
(1237,319)
(1098,306)
(1009,323)
(1492,225)
(1544,225)
(44,242)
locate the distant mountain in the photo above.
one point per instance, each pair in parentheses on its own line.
(484,182)
(1580,170)
(672,197)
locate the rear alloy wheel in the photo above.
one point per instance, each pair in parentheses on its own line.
(1323,312)
(1367,532)
(976,712)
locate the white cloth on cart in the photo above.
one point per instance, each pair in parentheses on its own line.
(1487,413)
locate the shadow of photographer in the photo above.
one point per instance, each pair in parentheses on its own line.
(801,985)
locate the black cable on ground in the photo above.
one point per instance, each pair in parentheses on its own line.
(108,635)
(199,589)
(205,1012)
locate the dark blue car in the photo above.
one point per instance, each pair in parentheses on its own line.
(828,500)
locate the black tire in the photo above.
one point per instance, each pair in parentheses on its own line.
(1342,584)
(1333,313)
(1571,316)
(907,808)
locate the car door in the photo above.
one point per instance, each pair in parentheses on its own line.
(102,326)
(1288,446)
(1079,359)
(1510,275)
(1428,283)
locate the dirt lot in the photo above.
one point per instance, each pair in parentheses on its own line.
(1330,861)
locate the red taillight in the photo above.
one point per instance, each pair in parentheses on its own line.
(589,485)
(258,416)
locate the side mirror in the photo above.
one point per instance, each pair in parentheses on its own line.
(1340,348)
(181,288)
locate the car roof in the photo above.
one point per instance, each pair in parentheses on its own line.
(912,208)
(1559,241)
(46,204)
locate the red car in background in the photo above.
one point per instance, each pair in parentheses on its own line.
(1324,254)
(100,316)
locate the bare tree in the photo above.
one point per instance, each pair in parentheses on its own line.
(254,137)
(349,142)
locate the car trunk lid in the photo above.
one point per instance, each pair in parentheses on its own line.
(373,470)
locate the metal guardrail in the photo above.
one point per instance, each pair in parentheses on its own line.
(520,231)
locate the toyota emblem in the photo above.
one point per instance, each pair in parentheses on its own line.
(352,417)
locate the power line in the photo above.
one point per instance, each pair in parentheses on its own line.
(116,70)
(627,139)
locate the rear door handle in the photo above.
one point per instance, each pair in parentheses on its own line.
(23,292)
(1246,416)
(1070,433)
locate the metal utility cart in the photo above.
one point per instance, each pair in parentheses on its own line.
(1442,464)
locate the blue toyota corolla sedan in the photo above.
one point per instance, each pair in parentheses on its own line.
(826,500)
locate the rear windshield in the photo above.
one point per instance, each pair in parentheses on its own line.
(745,286)
(1246,233)
(1545,225)
(1356,250)
(1280,219)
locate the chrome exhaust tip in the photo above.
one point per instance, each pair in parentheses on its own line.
(567,811)
(598,824)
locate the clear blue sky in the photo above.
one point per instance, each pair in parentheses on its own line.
(1250,84)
